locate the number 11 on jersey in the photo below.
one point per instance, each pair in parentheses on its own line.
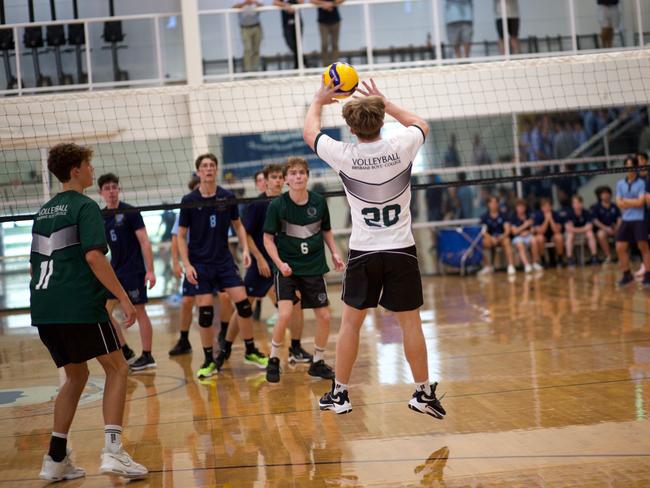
(47,268)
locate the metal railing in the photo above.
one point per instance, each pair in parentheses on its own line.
(369,52)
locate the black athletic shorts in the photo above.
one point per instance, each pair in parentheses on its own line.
(313,290)
(513,27)
(134,286)
(78,343)
(388,278)
(632,231)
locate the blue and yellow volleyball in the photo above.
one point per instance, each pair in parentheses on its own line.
(342,74)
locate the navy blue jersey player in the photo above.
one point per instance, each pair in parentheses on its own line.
(207,260)
(132,260)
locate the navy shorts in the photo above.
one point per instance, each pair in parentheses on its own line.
(257,286)
(134,286)
(632,231)
(212,278)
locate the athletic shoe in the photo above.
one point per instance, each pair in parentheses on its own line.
(511,270)
(129,354)
(208,369)
(640,272)
(143,362)
(594,261)
(221,358)
(338,402)
(270,322)
(426,402)
(121,464)
(646,279)
(273,370)
(571,262)
(486,270)
(64,470)
(256,358)
(321,370)
(537,267)
(608,260)
(183,346)
(627,279)
(299,355)
(528,268)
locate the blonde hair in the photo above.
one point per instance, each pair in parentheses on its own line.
(365,116)
(294,161)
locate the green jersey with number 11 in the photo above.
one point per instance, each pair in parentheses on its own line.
(63,288)
(377,181)
(298,232)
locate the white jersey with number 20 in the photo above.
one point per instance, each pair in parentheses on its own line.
(377,181)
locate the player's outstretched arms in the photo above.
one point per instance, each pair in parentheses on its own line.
(403,116)
(102,269)
(323,96)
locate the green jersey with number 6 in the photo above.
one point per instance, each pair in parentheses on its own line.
(63,288)
(377,181)
(298,232)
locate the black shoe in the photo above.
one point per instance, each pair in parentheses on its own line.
(627,278)
(299,355)
(273,370)
(594,261)
(571,262)
(426,402)
(321,370)
(143,362)
(221,358)
(646,279)
(338,402)
(183,346)
(129,354)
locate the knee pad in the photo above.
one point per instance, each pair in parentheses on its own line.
(244,309)
(206,316)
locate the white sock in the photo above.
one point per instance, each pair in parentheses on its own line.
(60,435)
(318,353)
(275,349)
(422,386)
(338,386)
(113,438)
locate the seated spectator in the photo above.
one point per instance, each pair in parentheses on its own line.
(459,17)
(609,18)
(579,222)
(606,218)
(512,24)
(495,233)
(631,199)
(521,230)
(547,227)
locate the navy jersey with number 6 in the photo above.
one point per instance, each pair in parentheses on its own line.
(208,225)
(126,255)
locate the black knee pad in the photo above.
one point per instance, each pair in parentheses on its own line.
(244,309)
(206,316)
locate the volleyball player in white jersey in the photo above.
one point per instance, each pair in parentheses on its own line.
(382,265)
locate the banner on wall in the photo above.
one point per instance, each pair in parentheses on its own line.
(244,154)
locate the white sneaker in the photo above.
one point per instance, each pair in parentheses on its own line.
(640,273)
(511,270)
(486,270)
(528,268)
(537,267)
(64,470)
(121,464)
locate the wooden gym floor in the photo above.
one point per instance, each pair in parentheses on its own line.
(546,382)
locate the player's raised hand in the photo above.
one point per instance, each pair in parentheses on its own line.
(191,275)
(325,94)
(246,258)
(150,279)
(370,89)
(339,265)
(285,269)
(129,312)
(264,268)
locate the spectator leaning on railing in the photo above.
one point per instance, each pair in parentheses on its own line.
(329,26)
(251,33)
